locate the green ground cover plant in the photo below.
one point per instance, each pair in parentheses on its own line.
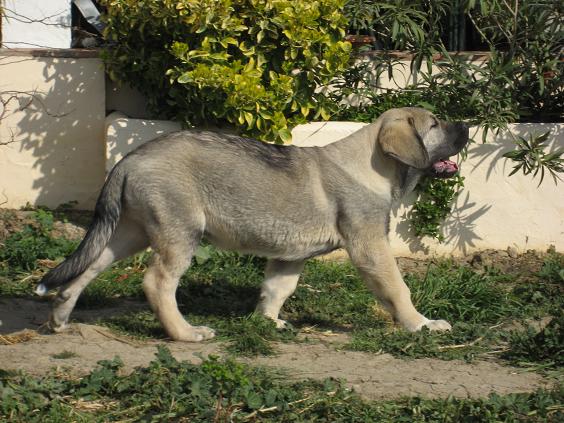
(226,391)
(22,250)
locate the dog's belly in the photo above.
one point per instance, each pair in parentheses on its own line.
(279,241)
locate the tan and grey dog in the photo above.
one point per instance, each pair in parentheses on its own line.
(285,203)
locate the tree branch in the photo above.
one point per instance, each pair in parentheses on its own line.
(26,19)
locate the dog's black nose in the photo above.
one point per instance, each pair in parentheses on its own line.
(462,126)
(463,133)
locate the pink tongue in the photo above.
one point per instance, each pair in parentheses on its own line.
(445,166)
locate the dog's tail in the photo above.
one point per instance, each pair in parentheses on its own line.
(106,217)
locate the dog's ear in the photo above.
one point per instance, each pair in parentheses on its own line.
(400,140)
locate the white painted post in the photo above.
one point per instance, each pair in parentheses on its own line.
(36,24)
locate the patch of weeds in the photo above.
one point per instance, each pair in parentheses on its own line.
(140,324)
(222,298)
(22,250)
(543,294)
(24,253)
(63,355)
(459,294)
(552,270)
(223,390)
(533,347)
(465,341)
(15,284)
(252,335)
(123,279)
(227,266)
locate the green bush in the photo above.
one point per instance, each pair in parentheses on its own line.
(254,64)
(436,198)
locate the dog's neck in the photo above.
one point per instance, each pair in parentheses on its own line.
(408,178)
(404,177)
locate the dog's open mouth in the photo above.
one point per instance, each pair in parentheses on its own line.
(444,168)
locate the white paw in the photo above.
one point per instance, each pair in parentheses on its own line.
(205,332)
(192,334)
(57,327)
(436,325)
(281,324)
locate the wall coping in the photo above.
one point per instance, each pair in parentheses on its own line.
(71,53)
(398,54)
(89,53)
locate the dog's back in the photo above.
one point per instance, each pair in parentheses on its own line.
(253,197)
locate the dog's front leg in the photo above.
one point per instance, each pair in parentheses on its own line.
(379,269)
(281,278)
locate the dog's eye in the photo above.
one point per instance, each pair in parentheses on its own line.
(435,123)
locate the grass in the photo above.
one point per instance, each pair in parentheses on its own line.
(222,290)
(226,391)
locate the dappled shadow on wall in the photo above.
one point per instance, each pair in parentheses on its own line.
(490,153)
(459,228)
(494,209)
(59,127)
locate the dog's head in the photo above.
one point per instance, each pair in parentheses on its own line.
(416,138)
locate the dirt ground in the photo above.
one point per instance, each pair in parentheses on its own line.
(373,376)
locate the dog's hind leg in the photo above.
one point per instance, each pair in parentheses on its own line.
(281,279)
(128,239)
(169,262)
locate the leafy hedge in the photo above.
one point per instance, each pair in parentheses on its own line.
(255,64)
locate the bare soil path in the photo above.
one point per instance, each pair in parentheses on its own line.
(373,376)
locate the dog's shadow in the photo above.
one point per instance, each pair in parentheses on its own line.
(219,298)
(224,299)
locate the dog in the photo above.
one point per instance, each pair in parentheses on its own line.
(285,203)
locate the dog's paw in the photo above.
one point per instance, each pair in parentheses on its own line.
(436,325)
(51,327)
(205,332)
(282,324)
(195,334)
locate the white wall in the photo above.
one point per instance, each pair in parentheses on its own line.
(53,128)
(124,134)
(36,24)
